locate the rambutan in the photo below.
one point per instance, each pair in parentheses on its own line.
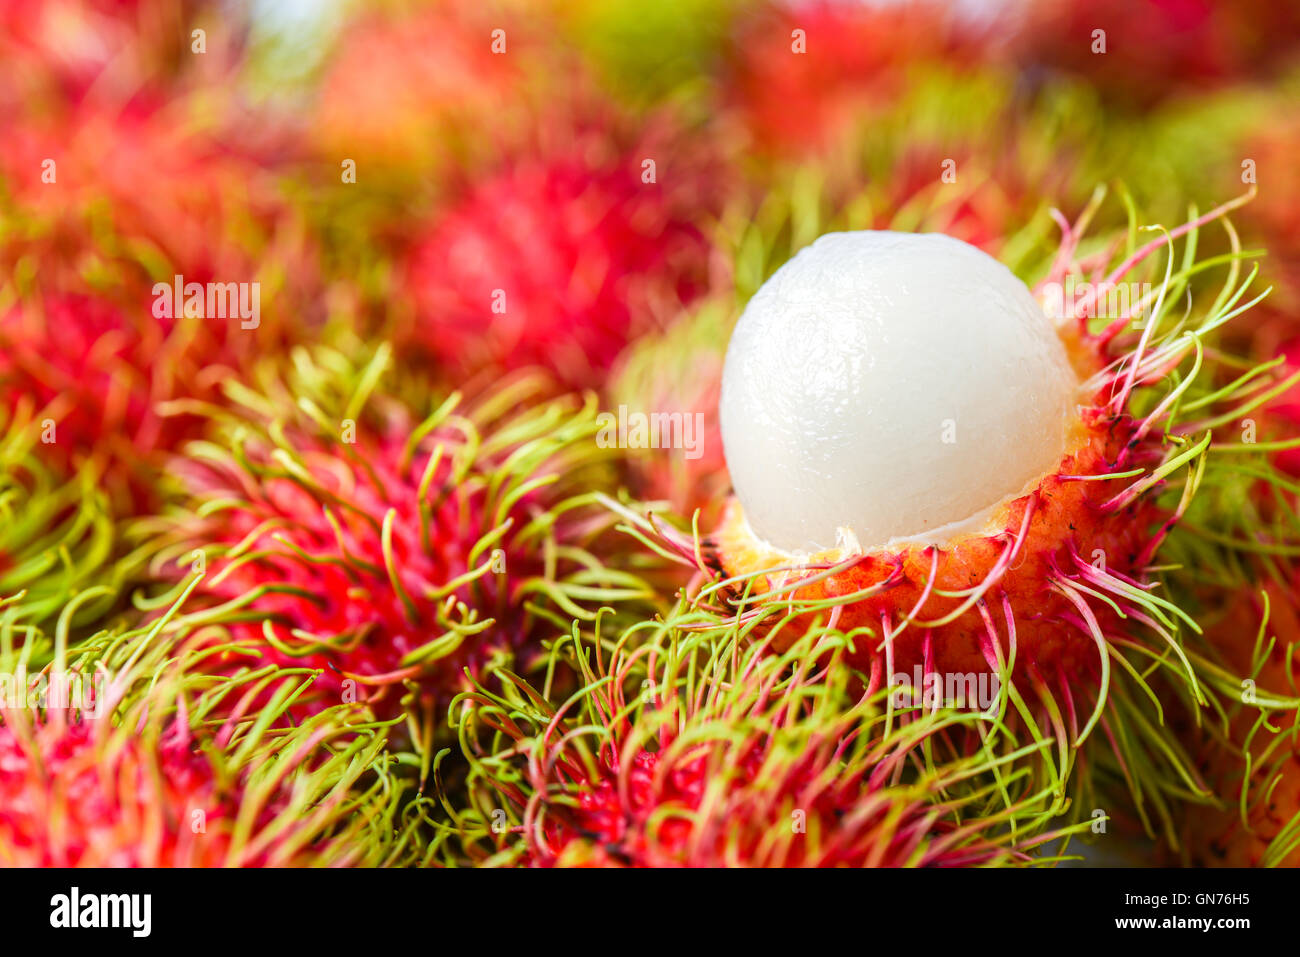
(1251,752)
(562,255)
(89,324)
(550,227)
(115,763)
(1024,547)
(215,206)
(678,372)
(1286,410)
(1233,559)
(1138,52)
(65,51)
(400,84)
(688,750)
(1269,151)
(82,366)
(336,528)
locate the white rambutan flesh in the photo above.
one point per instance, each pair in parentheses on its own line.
(884,386)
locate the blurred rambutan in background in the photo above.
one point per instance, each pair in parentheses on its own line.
(564,254)
(1138,52)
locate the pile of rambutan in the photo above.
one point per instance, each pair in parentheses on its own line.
(790,434)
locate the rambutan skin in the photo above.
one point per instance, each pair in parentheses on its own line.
(1156,49)
(653,817)
(82,793)
(1060,528)
(85,333)
(642,818)
(78,360)
(58,539)
(400,80)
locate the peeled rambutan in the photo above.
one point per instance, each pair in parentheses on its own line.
(686,751)
(336,528)
(924,461)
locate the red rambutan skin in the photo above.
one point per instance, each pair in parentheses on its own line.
(540,238)
(67,799)
(65,51)
(1059,528)
(212,211)
(95,371)
(1276,219)
(1286,410)
(603,831)
(682,754)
